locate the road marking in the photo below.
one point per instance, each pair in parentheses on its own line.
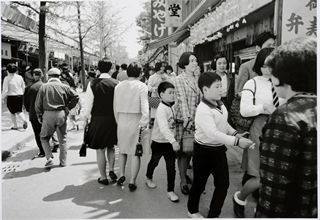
(115,201)
(112,215)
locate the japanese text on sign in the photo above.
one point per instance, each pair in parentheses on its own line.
(299,18)
(173,13)
(159,30)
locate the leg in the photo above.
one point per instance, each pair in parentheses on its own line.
(21,116)
(183,163)
(154,161)
(249,187)
(201,172)
(123,162)
(36,130)
(47,130)
(102,163)
(55,142)
(135,167)
(62,137)
(221,184)
(170,159)
(111,158)
(14,120)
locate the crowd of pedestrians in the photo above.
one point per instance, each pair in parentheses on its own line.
(184,117)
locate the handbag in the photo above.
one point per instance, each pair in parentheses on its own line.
(242,123)
(139,148)
(153,101)
(83,149)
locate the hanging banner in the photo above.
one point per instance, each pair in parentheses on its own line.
(299,19)
(159,30)
(173,13)
(5,51)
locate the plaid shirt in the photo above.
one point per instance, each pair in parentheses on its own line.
(187,99)
(288,160)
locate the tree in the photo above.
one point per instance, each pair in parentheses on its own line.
(144,22)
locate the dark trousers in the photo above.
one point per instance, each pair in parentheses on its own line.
(165,150)
(36,130)
(209,160)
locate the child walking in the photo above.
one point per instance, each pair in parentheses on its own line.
(163,139)
(212,135)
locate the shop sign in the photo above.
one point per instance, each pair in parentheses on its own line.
(159,30)
(5,51)
(173,16)
(299,19)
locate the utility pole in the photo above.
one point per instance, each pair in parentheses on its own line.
(83,78)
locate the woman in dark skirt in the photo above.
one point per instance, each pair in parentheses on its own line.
(102,133)
(13,90)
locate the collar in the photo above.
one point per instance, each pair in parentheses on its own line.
(168,104)
(211,105)
(54,80)
(104,76)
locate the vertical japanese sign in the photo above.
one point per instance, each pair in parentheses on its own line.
(159,30)
(173,13)
(299,19)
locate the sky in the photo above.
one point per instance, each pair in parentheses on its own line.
(132,8)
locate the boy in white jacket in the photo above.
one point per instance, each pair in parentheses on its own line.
(163,139)
(213,134)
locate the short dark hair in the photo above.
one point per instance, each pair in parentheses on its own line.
(263,37)
(214,61)
(168,68)
(163,86)
(124,66)
(184,59)
(158,66)
(207,78)
(117,67)
(295,63)
(12,68)
(134,70)
(37,72)
(104,66)
(260,59)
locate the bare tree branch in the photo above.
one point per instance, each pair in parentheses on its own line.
(26,5)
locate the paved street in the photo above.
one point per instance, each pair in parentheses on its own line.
(30,191)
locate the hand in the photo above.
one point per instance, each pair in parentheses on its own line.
(268,108)
(245,143)
(176,146)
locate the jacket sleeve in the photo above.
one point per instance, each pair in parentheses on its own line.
(144,106)
(247,109)
(26,98)
(38,106)
(181,98)
(73,98)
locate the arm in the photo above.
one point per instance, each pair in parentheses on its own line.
(162,120)
(247,109)
(144,106)
(73,98)
(26,98)
(116,116)
(88,102)
(5,87)
(38,106)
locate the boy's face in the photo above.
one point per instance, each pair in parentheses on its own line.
(214,92)
(168,95)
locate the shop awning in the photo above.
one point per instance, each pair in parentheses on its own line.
(155,54)
(164,41)
(182,32)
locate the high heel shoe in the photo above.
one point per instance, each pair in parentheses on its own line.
(121,180)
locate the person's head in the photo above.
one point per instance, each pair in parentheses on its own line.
(124,66)
(294,66)
(265,39)
(259,66)
(92,74)
(168,69)
(151,70)
(220,63)
(210,85)
(188,62)
(134,70)
(104,66)
(166,91)
(12,68)
(159,67)
(54,73)
(117,67)
(37,74)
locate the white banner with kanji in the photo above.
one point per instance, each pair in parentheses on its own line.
(299,19)
(173,13)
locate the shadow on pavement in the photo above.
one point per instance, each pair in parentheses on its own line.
(91,194)
(25,173)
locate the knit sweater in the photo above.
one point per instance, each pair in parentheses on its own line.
(164,125)
(212,127)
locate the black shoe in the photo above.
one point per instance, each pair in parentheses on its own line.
(104,182)
(113,176)
(55,148)
(41,155)
(185,189)
(132,187)
(121,180)
(238,209)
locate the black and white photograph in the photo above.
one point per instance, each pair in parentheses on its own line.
(159,109)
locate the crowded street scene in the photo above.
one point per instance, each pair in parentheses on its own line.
(159,109)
